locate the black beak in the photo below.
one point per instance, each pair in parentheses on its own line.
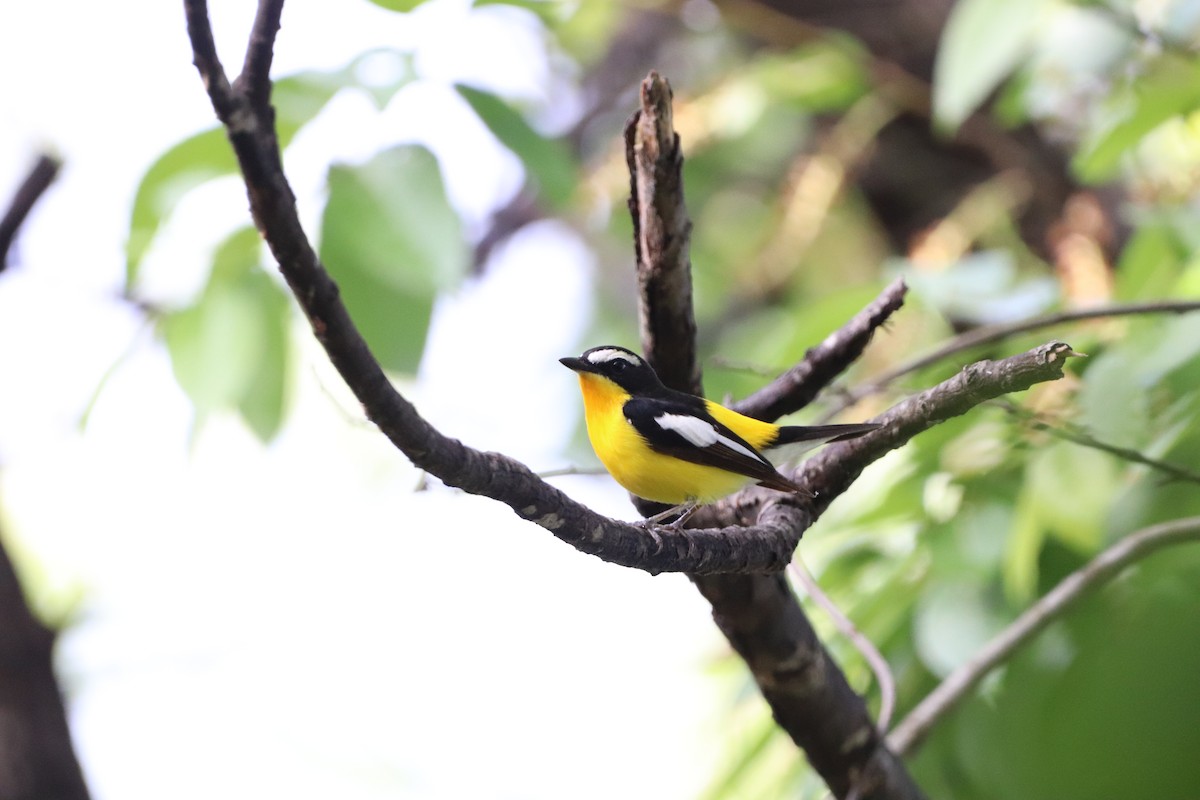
(576,364)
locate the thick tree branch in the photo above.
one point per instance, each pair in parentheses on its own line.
(36,756)
(43,173)
(1097,572)
(865,647)
(759,614)
(661,235)
(808,694)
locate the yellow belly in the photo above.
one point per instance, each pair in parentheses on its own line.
(652,475)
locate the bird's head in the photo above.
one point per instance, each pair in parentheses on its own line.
(623,367)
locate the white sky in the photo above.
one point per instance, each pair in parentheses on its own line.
(295,620)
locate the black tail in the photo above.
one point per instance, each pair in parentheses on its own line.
(790,434)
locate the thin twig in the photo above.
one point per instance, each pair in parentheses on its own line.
(204,56)
(996,333)
(1074,435)
(1103,568)
(40,176)
(867,648)
(255,79)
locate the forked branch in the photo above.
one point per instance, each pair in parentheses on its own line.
(248,118)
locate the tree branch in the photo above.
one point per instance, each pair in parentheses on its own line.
(1100,570)
(36,756)
(758,614)
(661,234)
(1070,433)
(798,386)
(832,470)
(808,694)
(865,647)
(255,79)
(43,173)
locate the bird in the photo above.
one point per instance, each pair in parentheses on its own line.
(676,448)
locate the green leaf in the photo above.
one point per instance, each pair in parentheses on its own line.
(952,621)
(391,240)
(1070,488)
(1171,86)
(1024,546)
(229,350)
(215,347)
(983,42)
(207,155)
(1150,263)
(824,75)
(237,256)
(1104,686)
(194,161)
(548,162)
(264,401)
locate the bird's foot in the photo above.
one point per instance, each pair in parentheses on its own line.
(681,513)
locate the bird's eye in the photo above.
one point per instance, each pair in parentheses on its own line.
(618,364)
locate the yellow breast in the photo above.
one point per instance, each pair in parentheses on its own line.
(649,474)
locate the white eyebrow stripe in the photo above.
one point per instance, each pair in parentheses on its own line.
(609,354)
(701,433)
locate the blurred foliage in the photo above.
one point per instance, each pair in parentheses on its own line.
(943,543)
(392,241)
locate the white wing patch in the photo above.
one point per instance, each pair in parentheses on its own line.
(612,354)
(702,433)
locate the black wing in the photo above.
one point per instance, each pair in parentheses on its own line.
(687,432)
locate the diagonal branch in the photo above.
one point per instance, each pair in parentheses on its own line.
(1100,570)
(255,79)
(43,173)
(831,471)
(828,473)
(798,386)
